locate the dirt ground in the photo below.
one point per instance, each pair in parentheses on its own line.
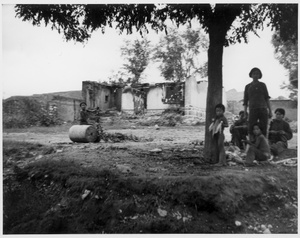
(158,183)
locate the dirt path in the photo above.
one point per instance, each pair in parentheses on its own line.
(169,136)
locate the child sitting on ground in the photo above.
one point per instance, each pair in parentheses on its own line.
(259,150)
(217,129)
(280,132)
(239,130)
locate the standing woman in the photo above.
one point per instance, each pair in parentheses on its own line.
(256,97)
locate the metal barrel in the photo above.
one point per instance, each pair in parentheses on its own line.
(83,133)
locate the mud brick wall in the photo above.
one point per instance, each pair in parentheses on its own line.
(157,99)
(67,109)
(195,97)
(100,95)
(127,102)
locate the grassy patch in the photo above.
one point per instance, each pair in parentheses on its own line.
(14,151)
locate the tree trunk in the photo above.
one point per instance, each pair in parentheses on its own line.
(214,91)
(217,31)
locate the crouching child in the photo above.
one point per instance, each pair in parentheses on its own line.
(217,130)
(259,149)
(280,132)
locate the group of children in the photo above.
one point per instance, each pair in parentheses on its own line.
(263,142)
(250,130)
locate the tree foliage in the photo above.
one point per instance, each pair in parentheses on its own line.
(179,53)
(78,21)
(137,57)
(286,52)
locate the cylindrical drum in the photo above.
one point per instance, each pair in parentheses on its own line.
(83,133)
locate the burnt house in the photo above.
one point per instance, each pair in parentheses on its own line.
(141,98)
(102,95)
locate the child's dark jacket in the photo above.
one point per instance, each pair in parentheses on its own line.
(256,95)
(83,117)
(280,125)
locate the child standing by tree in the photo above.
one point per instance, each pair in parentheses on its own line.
(256,97)
(217,129)
(259,150)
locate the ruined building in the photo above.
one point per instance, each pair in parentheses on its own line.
(148,98)
(102,95)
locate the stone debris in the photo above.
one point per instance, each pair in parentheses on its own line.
(38,157)
(263,227)
(156,150)
(162,213)
(153,169)
(196,142)
(156,127)
(238,223)
(85,194)
(267,231)
(177,215)
(270,226)
(185,219)
(124,168)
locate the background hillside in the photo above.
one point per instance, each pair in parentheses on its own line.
(234,95)
(67,94)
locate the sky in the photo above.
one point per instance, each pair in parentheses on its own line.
(38,60)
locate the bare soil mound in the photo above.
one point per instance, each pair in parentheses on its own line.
(67,188)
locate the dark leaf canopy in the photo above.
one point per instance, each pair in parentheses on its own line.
(77,22)
(63,18)
(283,18)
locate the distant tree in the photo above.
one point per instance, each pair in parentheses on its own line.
(287,54)
(179,53)
(137,57)
(77,22)
(280,98)
(120,77)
